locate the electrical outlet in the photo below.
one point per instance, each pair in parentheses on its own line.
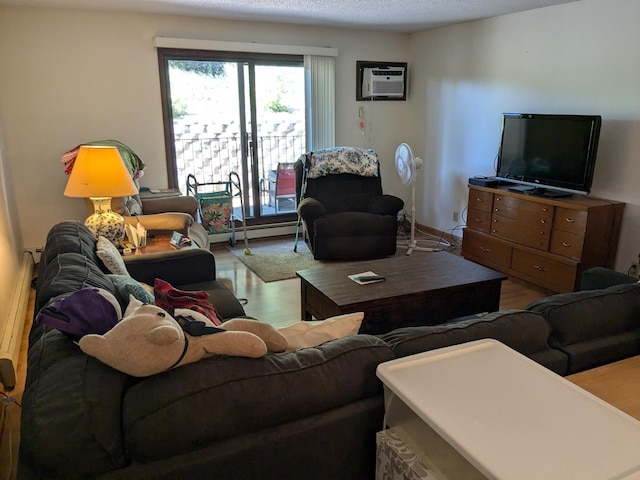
(456,216)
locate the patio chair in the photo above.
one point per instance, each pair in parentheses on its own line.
(282,186)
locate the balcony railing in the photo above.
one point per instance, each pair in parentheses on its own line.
(211,159)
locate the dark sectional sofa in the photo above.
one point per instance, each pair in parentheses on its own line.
(309,414)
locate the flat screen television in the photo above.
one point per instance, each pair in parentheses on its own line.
(550,155)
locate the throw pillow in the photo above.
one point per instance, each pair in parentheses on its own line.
(126,286)
(110,256)
(168,298)
(312,333)
(85,311)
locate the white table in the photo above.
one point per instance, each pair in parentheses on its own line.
(482,410)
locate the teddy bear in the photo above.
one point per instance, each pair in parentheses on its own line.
(149,340)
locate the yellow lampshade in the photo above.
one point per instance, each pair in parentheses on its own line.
(99,171)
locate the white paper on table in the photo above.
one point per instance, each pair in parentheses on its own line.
(142,235)
(132,235)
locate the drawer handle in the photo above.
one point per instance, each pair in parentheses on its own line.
(539,268)
(478,220)
(498,199)
(494,231)
(565,244)
(543,221)
(570,220)
(545,209)
(488,250)
(496,209)
(480,200)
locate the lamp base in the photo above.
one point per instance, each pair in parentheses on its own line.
(104,222)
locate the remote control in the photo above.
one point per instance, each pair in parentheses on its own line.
(369,278)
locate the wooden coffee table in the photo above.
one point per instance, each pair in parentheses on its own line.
(420,289)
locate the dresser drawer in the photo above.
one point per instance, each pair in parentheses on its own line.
(535,236)
(479,200)
(526,216)
(483,248)
(545,269)
(573,221)
(479,220)
(523,210)
(567,244)
(517,203)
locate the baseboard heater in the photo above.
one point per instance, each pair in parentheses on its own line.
(11,330)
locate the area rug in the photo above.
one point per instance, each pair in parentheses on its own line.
(274,260)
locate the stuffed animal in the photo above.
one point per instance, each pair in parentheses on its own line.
(148,340)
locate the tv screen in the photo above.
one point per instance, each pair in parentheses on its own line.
(549,153)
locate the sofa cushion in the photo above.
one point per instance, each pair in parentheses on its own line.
(525,332)
(580,316)
(257,394)
(110,256)
(601,351)
(125,285)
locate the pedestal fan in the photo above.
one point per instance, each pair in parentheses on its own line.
(407,165)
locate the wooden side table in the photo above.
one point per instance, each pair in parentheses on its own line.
(160,243)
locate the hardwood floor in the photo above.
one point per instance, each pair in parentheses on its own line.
(277,303)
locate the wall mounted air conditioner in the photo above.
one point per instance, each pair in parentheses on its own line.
(383,82)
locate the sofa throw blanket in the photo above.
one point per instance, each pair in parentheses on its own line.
(134,164)
(169,297)
(335,160)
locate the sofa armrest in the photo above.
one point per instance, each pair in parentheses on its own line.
(178,267)
(385,205)
(311,209)
(601,277)
(163,222)
(184,204)
(79,401)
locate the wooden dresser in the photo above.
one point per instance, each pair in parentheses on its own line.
(546,241)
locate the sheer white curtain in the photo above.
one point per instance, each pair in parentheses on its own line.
(320,85)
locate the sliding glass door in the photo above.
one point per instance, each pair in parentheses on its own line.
(227,114)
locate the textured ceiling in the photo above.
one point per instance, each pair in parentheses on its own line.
(394,15)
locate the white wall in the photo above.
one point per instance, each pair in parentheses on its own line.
(70,76)
(581,57)
(10,236)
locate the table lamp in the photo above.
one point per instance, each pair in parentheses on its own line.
(99,173)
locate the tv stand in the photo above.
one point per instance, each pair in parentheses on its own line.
(543,240)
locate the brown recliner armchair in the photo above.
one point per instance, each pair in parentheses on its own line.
(161,215)
(345,214)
